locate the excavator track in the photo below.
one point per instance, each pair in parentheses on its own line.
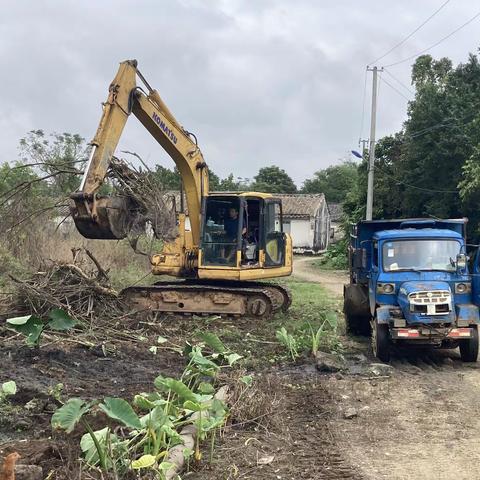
(258,300)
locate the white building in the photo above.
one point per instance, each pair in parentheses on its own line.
(307,219)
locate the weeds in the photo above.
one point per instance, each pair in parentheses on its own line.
(335,258)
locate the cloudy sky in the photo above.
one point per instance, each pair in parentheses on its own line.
(260,82)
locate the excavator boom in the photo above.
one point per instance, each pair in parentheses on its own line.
(111,217)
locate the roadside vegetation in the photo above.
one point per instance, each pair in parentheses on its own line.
(335,258)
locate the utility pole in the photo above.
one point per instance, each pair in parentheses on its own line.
(364,148)
(371,159)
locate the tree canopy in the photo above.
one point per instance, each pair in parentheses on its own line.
(273,180)
(335,181)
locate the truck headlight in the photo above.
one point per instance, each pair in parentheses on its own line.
(463,287)
(387,288)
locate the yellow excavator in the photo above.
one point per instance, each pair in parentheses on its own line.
(234,239)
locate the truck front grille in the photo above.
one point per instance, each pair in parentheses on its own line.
(435,302)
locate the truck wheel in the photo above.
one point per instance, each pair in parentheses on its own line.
(380,341)
(357,325)
(469,348)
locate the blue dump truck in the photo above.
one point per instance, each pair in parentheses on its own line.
(410,284)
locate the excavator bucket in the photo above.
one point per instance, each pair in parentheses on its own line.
(106,218)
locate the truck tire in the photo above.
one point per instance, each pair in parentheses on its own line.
(356,325)
(469,348)
(380,341)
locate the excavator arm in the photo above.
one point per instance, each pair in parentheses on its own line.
(110,217)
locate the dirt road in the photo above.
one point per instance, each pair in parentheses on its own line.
(330,279)
(422,420)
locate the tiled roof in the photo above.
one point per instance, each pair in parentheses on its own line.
(301,205)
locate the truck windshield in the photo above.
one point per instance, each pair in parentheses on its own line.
(420,255)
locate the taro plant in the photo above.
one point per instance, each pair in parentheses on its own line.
(152,421)
(328,326)
(288,341)
(33,326)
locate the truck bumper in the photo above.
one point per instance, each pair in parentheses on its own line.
(431,335)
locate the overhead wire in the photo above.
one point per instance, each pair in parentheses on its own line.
(395,89)
(399,81)
(412,33)
(436,43)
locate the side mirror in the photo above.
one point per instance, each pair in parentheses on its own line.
(461,261)
(360,258)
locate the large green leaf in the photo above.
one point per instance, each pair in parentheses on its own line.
(148,401)
(177,387)
(145,461)
(155,419)
(119,409)
(88,446)
(60,320)
(29,325)
(107,441)
(204,365)
(212,341)
(67,416)
(206,388)
(8,388)
(232,358)
(19,320)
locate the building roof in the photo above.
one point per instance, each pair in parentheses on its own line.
(300,205)
(336,212)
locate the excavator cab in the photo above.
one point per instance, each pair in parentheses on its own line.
(242,232)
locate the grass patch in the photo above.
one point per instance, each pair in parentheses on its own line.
(335,258)
(313,308)
(312,319)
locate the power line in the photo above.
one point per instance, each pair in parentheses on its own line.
(399,82)
(437,43)
(412,33)
(395,89)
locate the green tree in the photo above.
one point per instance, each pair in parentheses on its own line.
(59,158)
(169,179)
(432,166)
(229,184)
(273,180)
(335,181)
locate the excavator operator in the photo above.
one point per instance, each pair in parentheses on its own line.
(231,225)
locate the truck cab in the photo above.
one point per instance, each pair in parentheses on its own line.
(410,284)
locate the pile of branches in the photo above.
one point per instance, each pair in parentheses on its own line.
(156,208)
(83,291)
